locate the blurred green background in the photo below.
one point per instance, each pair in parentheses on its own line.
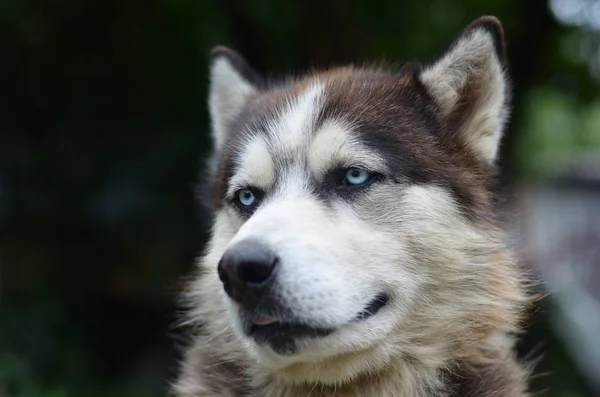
(103,134)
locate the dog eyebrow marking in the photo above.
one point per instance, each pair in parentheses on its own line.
(334,145)
(289,133)
(254,166)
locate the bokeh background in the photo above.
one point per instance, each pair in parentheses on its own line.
(103,130)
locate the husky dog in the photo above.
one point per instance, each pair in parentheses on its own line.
(356,246)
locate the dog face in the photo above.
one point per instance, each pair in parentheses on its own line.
(354,207)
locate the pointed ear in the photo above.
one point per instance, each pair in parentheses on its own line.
(470,86)
(232,82)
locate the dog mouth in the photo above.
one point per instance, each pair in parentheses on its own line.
(282,336)
(378,303)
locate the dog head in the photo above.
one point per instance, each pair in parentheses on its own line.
(354,208)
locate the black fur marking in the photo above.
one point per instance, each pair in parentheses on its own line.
(399,157)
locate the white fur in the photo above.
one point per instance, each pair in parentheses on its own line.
(255,166)
(291,129)
(473,62)
(335,145)
(229,91)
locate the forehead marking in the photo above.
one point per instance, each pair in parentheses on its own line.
(293,182)
(336,145)
(263,156)
(254,166)
(290,132)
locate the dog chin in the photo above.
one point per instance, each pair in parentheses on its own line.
(288,342)
(345,353)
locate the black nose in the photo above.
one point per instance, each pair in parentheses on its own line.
(246,270)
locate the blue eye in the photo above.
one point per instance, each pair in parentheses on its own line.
(246,197)
(356,176)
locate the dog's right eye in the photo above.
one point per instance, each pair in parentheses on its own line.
(246,200)
(246,197)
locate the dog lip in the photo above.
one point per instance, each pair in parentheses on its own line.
(266,320)
(374,306)
(294,330)
(283,337)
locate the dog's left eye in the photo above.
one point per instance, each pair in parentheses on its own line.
(356,177)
